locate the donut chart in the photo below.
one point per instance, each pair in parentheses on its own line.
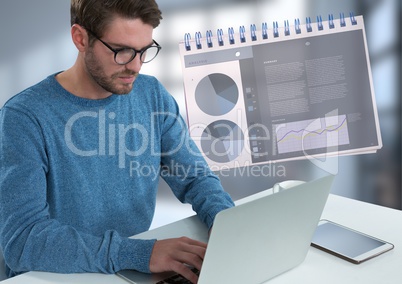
(222,141)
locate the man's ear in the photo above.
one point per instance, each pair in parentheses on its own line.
(80,37)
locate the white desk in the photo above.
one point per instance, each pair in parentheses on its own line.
(319,267)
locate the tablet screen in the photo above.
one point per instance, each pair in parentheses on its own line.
(344,241)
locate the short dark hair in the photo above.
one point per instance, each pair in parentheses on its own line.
(95,15)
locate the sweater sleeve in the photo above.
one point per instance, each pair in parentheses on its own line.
(186,171)
(30,239)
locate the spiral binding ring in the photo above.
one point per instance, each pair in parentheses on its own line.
(253,31)
(319,23)
(198,40)
(276,30)
(297,26)
(331,21)
(209,39)
(264,30)
(342,19)
(352,18)
(231,36)
(308,25)
(287,28)
(187,38)
(242,32)
(220,37)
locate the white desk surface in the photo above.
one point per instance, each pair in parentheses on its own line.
(319,267)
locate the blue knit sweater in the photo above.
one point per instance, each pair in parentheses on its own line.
(79,176)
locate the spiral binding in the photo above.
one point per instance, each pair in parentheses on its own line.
(209,39)
(308,25)
(231,35)
(331,21)
(220,37)
(242,34)
(264,31)
(253,30)
(198,40)
(287,28)
(342,20)
(187,38)
(319,23)
(352,18)
(297,26)
(276,29)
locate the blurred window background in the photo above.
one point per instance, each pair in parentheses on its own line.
(35,42)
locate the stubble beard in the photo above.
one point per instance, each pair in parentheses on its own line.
(96,71)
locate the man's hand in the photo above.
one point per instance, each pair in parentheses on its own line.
(176,255)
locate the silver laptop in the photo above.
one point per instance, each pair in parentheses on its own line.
(263,237)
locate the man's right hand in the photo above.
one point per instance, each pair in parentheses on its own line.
(177,255)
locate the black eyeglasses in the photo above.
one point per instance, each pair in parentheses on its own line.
(123,56)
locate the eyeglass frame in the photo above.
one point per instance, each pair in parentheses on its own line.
(117,50)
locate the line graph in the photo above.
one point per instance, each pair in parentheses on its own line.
(312,134)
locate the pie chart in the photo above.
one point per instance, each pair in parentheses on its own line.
(216,94)
(222,141)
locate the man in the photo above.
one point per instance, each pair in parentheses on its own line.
(76,151)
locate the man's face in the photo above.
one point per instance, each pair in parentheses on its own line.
(99,60)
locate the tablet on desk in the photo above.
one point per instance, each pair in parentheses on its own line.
(348,244)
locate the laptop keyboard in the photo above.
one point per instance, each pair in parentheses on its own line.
(177,279)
